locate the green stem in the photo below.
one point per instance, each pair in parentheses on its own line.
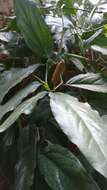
(46,74)
(76,56)
(72,8)
(94,10)
(37,78)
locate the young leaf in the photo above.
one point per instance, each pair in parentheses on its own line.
(33,27)
(63,171)
(89,81)
(9,79)
(22,108)
(83,126)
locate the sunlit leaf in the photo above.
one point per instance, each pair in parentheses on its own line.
(99,49)
(89,81)
(22,108)
(83,126)
(17,98)
(12,77)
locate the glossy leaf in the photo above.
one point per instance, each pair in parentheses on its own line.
(39,182)
(94,38)
(91,39)
(17,98)
(27,159)
(99,49)
(83,126)
(97,100)
(89,81)
(8,36)
(33,27)
(22,108)
(63,171)
(9,79)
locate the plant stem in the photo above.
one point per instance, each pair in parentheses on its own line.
(37,78)
(76,56)
(74,8)
(94,10)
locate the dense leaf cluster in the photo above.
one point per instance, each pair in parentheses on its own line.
(53,96)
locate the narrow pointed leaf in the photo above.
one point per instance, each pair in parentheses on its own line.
(11,78)
(63,171)
(22,108)
(33,27)
(17,98)
(89,81)
(83,126)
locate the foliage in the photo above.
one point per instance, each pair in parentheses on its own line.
(53,91)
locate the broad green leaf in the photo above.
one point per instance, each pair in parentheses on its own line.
(27,159)
(17,98)
(11,78)
(25,170)
(63,171)
(100,180)
(89,81)
(33,27)
(22,108)
(99,49)
(40,182)
(100,41)
(83,126)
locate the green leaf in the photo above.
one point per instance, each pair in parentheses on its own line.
(67,5)
(91,39)
(63,171)
(33,27)
(12,25)
(9,79)
(97,100)
(78,64)
(99,49)
(100,41)
(83,126)
(17,98)
(22,108)
(100,180)
(94,38)
(105,30)
(8,36)
(89,81)
(39,182)
(27,159)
